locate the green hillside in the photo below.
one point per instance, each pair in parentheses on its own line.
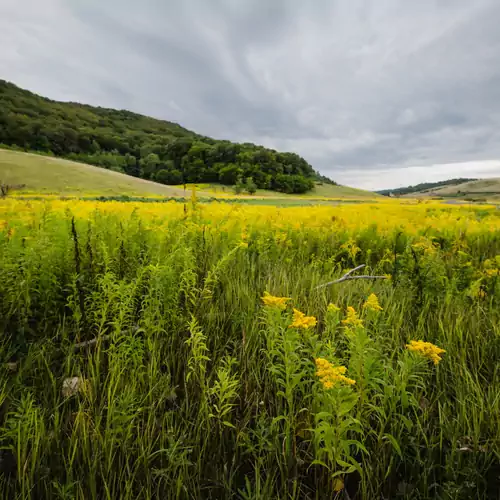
(48,175)
(141,146)
(45,175)
(482,189)
(423,187)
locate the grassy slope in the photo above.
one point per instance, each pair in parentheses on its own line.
(48,175)
(483,188)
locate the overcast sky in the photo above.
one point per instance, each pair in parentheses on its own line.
(374,93)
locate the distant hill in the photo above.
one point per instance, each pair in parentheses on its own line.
(144,147)
(474,190)
(423,187)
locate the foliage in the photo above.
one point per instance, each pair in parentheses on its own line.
(204,362)
(141,146)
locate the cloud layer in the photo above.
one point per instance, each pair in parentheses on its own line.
(365,91)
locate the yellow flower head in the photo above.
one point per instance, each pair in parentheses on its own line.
(372,303)
(352,319)
(332,308)
(426,349)
(275,302)
(338,484)
(300,320)
(330,375)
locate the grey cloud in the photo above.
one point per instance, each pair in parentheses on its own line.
(352,86)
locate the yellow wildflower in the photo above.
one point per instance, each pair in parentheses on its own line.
(492,272)
(352,319)
(338,484)
(372,303)
(330,375)
(332,308)
(276,302)
(300,320)
(426,349)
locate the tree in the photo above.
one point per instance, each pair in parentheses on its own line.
(229,175)
(250,186)
(168,176)
(149,164)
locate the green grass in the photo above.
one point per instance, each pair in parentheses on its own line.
(320,191)
(47,175)
(192,388)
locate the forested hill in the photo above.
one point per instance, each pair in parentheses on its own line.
(142,146)
(425,186)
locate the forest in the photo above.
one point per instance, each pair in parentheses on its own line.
(144,147)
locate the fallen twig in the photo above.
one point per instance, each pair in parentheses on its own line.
(88,343)
(347,276)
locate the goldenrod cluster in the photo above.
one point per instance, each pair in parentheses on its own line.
(372,303)
(426,349)
(332,308)
(352,320)
(300,320)
(330,375)
(275,302)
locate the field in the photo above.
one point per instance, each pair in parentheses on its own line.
(482,189)
(48,175)
(320,192)
(170,350)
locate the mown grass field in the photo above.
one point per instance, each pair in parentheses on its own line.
(185,351)
(48,175)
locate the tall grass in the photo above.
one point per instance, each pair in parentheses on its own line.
(193,388)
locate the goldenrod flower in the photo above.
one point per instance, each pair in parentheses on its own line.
(332,308)
(491,272)
(426,349)
(372,303)
(330,375)
(300,320)
(352,319)
(338,484)
(276,302)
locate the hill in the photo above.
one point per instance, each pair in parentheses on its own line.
(482,189)
(142,146)
(45,175)
(423,187)
(49,175)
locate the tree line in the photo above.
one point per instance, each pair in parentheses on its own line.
(143,146)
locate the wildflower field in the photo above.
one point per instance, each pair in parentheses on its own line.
(192,351)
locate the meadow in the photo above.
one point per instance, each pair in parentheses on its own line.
(189,350)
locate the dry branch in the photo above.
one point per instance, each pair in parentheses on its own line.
(88,343)
(347,276)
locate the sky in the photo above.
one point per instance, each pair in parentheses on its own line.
(372,93)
